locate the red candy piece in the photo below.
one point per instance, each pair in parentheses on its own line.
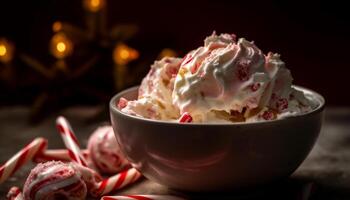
(185,118)
(171,72)
(122,103)
(243,70)
(268,115)
(282,104)
(195,67)
(255,87)
(188,58)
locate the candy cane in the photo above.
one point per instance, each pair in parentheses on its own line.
(57,154)
(185,118)
(14,194)
(116,182)
(22,157)
(141,197)
(70,141)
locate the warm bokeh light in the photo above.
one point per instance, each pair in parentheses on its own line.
(167,53)
(123,54)
(6,50)
(93,5)
(61,46)
(57,26)
(3,50)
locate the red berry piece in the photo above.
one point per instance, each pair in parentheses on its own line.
(122,103)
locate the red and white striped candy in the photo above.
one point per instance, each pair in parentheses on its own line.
(116,182)
(106,186)
(141,197)
(14,194)
(185,118)
(22,157)
(70,141)
(57,154)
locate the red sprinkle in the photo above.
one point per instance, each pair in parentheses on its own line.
(122,103)
(185,118)
(243,70)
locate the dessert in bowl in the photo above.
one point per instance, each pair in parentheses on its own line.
(245,123)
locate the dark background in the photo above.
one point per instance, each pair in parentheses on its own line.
(312,37)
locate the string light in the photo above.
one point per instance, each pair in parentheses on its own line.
(6,50)
(124,54)
(93,5)
(61,46)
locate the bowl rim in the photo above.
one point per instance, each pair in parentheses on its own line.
(317,97)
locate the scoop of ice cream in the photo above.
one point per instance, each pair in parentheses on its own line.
(58,180)
(283,99)
(155,92)
(223,81)
(222,76)
(104,151)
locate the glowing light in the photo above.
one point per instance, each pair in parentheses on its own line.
(6,50)
(3,50)
(167,53)
(124,54)
(61,46)
(57,26)
(93,5)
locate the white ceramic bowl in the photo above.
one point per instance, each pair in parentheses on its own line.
(209,157)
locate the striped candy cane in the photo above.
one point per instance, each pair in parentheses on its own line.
(22,157)
(141,197)
(57,154)
(14,194)
(116,182)
(70,141)
(185,118)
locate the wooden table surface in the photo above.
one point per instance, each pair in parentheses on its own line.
(325,174)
